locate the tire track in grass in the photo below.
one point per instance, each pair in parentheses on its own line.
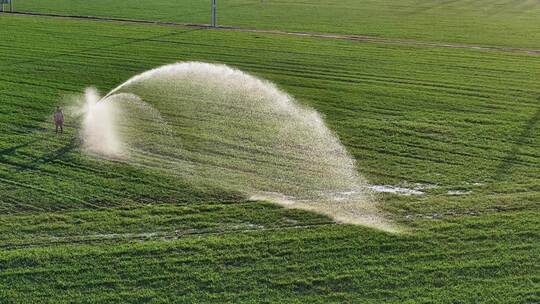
(8,202)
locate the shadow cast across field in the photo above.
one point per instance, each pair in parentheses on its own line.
(54,155)
(511,157)
(12,150)
(7,154)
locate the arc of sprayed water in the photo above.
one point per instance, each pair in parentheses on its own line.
(349,203)
(160,69)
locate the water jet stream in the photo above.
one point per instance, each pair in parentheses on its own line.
(216,125)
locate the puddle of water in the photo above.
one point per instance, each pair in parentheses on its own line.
(420,186)
(458,192)
(395,190)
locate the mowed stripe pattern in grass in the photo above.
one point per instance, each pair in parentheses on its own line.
(408,114)
(487,22)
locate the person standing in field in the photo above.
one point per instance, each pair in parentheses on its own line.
(59,120)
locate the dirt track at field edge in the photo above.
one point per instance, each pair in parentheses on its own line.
(360,38)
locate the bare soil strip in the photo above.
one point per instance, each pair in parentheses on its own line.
(360,38)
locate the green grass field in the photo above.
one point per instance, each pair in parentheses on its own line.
(487,22)
(77,228)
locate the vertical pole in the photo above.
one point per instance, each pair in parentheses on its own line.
(214,18)
(11,6)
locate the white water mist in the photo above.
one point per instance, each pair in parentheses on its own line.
(99,125)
